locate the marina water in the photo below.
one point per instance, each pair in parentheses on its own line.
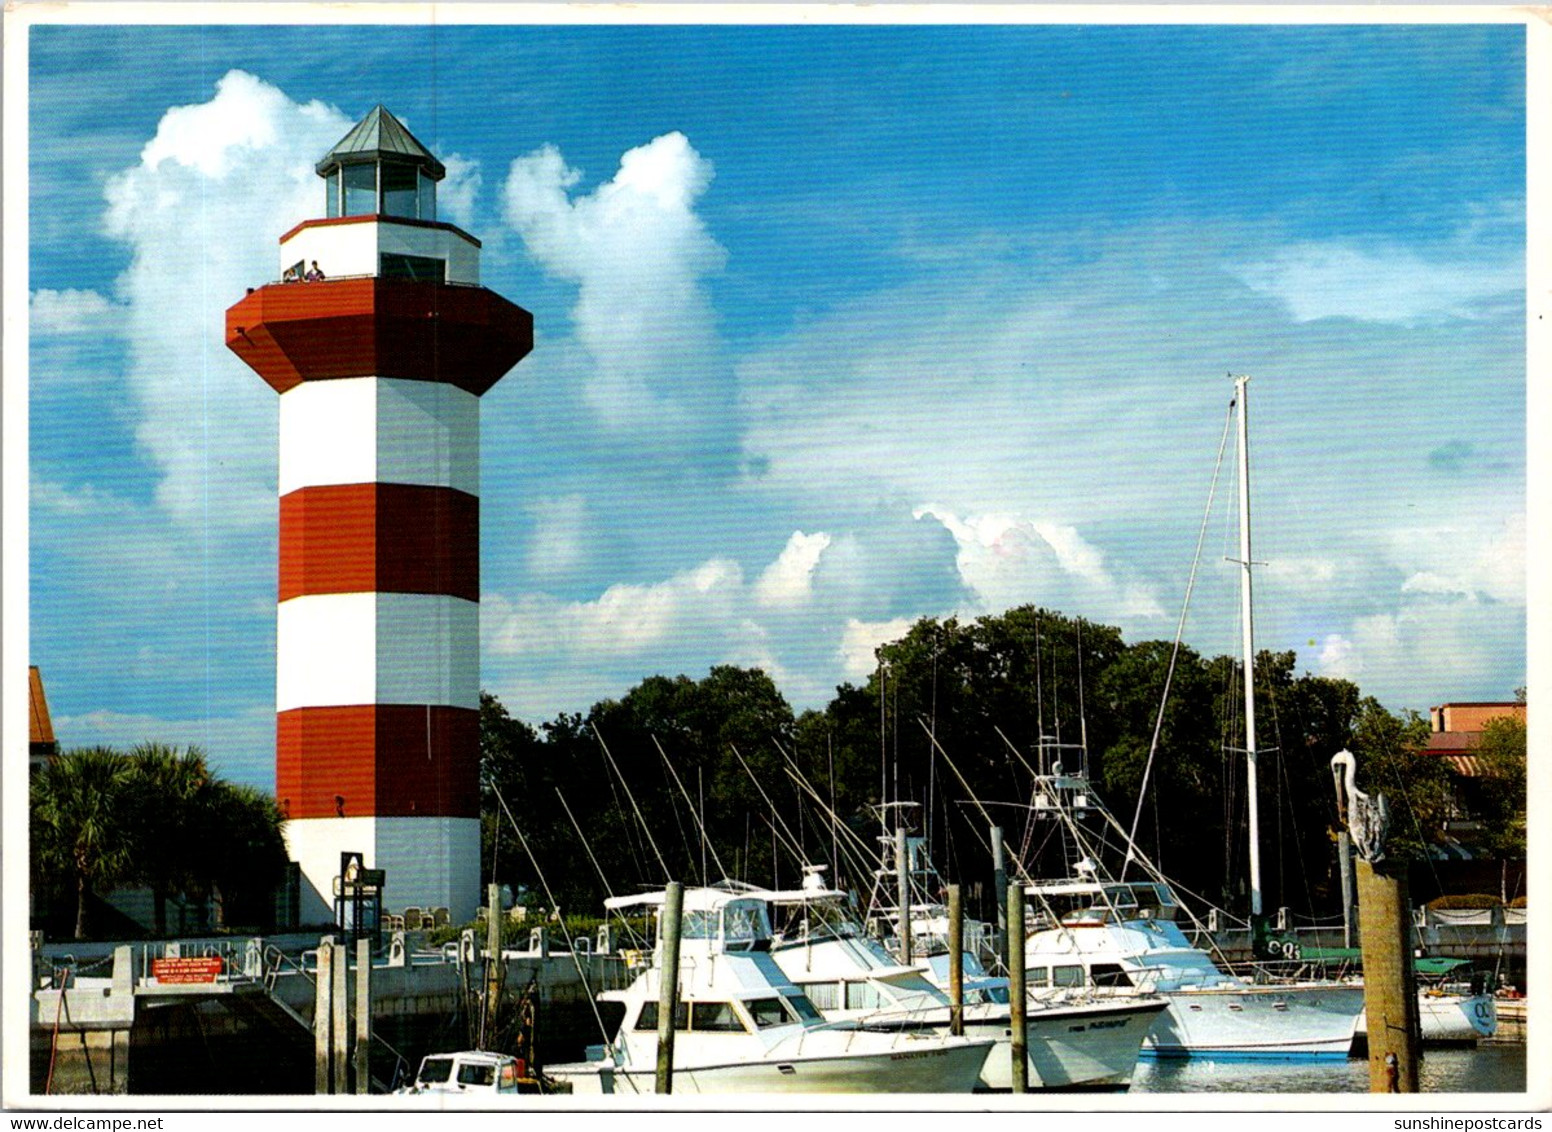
(1490,1068)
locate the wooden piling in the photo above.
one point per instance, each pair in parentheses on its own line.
(668,985)
(956,961)
(323,1015)
(340,1001)
(493,964)
(1389,988)
(1017,1004)
(363,1057)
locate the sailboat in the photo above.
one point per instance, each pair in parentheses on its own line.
(1092,928)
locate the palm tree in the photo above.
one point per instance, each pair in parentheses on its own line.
(245,853)
(78,822)
(166,788)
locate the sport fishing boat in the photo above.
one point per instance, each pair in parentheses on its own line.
(1121,939)
(742,1026)
(1087,1043)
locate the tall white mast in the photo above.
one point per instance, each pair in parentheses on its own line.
(1247,637)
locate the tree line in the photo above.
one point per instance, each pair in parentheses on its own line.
(694,780)
(154,816)
(701,779)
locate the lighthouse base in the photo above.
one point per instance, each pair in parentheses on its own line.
(430,862)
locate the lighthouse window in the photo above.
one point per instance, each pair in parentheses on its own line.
(426,204)
(332,193)
(399,190)
(360,189)
(419,268)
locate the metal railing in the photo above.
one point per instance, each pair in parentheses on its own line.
(369,275)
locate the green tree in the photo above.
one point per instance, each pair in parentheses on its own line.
(1501,785)
(164,792)
(242,852)
(1390,762)
(77,823)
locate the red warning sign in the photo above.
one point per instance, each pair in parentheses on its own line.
(197,970)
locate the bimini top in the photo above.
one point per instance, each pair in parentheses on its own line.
(378,136)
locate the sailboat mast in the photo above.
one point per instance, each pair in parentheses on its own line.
(1247,637)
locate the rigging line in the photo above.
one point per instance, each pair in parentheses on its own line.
(1029,820)
(835,837)
(860,857)
(837,825)
(582,837)
(1174,655)
(1146,864)
(631,839)
(783,841)
(673,808)
(774,811)
(550,896)
(705,840)
(626,787)
(1083,719)
(1017,863)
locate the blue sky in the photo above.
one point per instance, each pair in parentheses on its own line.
(837,327)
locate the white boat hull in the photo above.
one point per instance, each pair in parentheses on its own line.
(1086,1047)
(937,1068)
(1257,1023)
(1451,1019)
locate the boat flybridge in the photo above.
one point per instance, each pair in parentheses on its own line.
(742,1026)
(849,976)
(1089,929)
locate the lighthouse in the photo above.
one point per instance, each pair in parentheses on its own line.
(380,341)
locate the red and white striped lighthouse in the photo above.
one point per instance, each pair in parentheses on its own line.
(380,341)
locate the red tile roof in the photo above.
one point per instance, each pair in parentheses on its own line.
(40,728)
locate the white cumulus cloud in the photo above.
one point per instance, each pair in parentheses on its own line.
(860,641)
(72,312)
(789,580)
(1333,280)
(638,252)
(1005,561)
(201,213)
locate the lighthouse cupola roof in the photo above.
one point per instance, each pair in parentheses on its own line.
(380,168)
(380,136)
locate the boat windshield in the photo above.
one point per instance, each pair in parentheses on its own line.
(801,1006)
(435,1070)
(744,926)
(479,1073)
(814,920)
(698,924)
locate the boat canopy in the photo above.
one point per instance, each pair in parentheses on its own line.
(736,921)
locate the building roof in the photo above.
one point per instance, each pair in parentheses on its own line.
(40,728)
(377,136)
(1452,742)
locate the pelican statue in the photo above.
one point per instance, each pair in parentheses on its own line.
(1366,818)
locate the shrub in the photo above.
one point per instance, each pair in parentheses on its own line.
(1463,901)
